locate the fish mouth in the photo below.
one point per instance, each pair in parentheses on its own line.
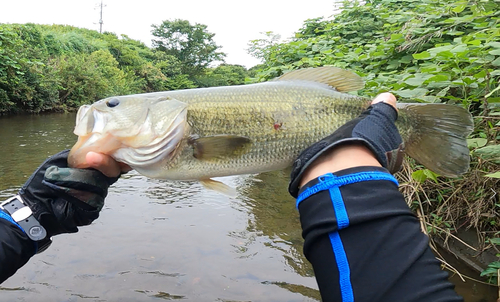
(89,137)
(142,147)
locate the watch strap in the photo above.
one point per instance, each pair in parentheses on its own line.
(23,216)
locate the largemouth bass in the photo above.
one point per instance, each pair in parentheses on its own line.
(198,134)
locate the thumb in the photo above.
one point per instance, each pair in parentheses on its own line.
(386,97)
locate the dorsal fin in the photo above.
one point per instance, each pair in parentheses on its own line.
(340,79)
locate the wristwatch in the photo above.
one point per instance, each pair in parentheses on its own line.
(23,216)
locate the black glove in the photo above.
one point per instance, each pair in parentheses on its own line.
(63,198)
(374,128)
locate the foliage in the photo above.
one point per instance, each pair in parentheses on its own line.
(223,75)
(422,50)
(90,76)
(264,48)
(57,67)
(492,272)
(192,45)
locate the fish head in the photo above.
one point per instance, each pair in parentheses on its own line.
(137,130)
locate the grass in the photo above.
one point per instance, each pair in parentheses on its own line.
(445,206)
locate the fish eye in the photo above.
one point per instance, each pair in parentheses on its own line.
(113,103)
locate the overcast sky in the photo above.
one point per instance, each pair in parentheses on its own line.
(234,23)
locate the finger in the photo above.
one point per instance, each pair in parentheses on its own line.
(104,163)
(386,97)
(124,167)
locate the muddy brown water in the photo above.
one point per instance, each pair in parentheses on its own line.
(161,240)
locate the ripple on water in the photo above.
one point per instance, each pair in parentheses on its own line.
(158,239)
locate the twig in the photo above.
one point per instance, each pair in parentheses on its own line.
(455,237)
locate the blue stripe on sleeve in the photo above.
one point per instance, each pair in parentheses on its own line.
(343,267)
(8,218)
(329,180)
(338,248)
(338,205)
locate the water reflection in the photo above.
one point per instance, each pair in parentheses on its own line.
(275,216)
(26,141)
(157,239)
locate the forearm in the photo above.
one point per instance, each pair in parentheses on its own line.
(15,249)
(363,235)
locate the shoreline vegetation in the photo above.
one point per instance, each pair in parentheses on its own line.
(421,50)
(54,68)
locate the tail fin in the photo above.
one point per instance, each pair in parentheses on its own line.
(437,138)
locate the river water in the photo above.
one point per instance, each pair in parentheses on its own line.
(161,240)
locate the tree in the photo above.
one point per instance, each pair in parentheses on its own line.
(261,48)
(192,45)
(223,75)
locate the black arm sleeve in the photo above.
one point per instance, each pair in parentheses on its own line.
(15,249)
(380,255)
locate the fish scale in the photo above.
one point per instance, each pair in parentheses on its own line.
(305,117)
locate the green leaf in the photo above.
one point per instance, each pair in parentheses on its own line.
(491,152)
(419,176)
(476,142)
(492,269)
(495,52)
(418,79)
(460,6)
(439,49)
(461,48)
(455,33)
(439,78)
(494,264)
(493,175)
(405,59)
(496,62)
(445,54)
(494,241)
(429,99)
(488,272)
(494,44)
(493,100)
(430,68)
(474,42)
(422,56)
(412,93)
(396,37)
(480,74)
(443,92)
(431,175)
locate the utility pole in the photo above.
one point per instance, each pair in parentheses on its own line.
(100,21)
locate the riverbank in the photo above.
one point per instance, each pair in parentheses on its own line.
(460,215)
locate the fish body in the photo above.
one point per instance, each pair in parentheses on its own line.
(198,134)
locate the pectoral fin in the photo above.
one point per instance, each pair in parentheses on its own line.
(218,186)
(220,146)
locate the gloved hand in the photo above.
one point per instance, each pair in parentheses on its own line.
(374,128)
(63,198)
